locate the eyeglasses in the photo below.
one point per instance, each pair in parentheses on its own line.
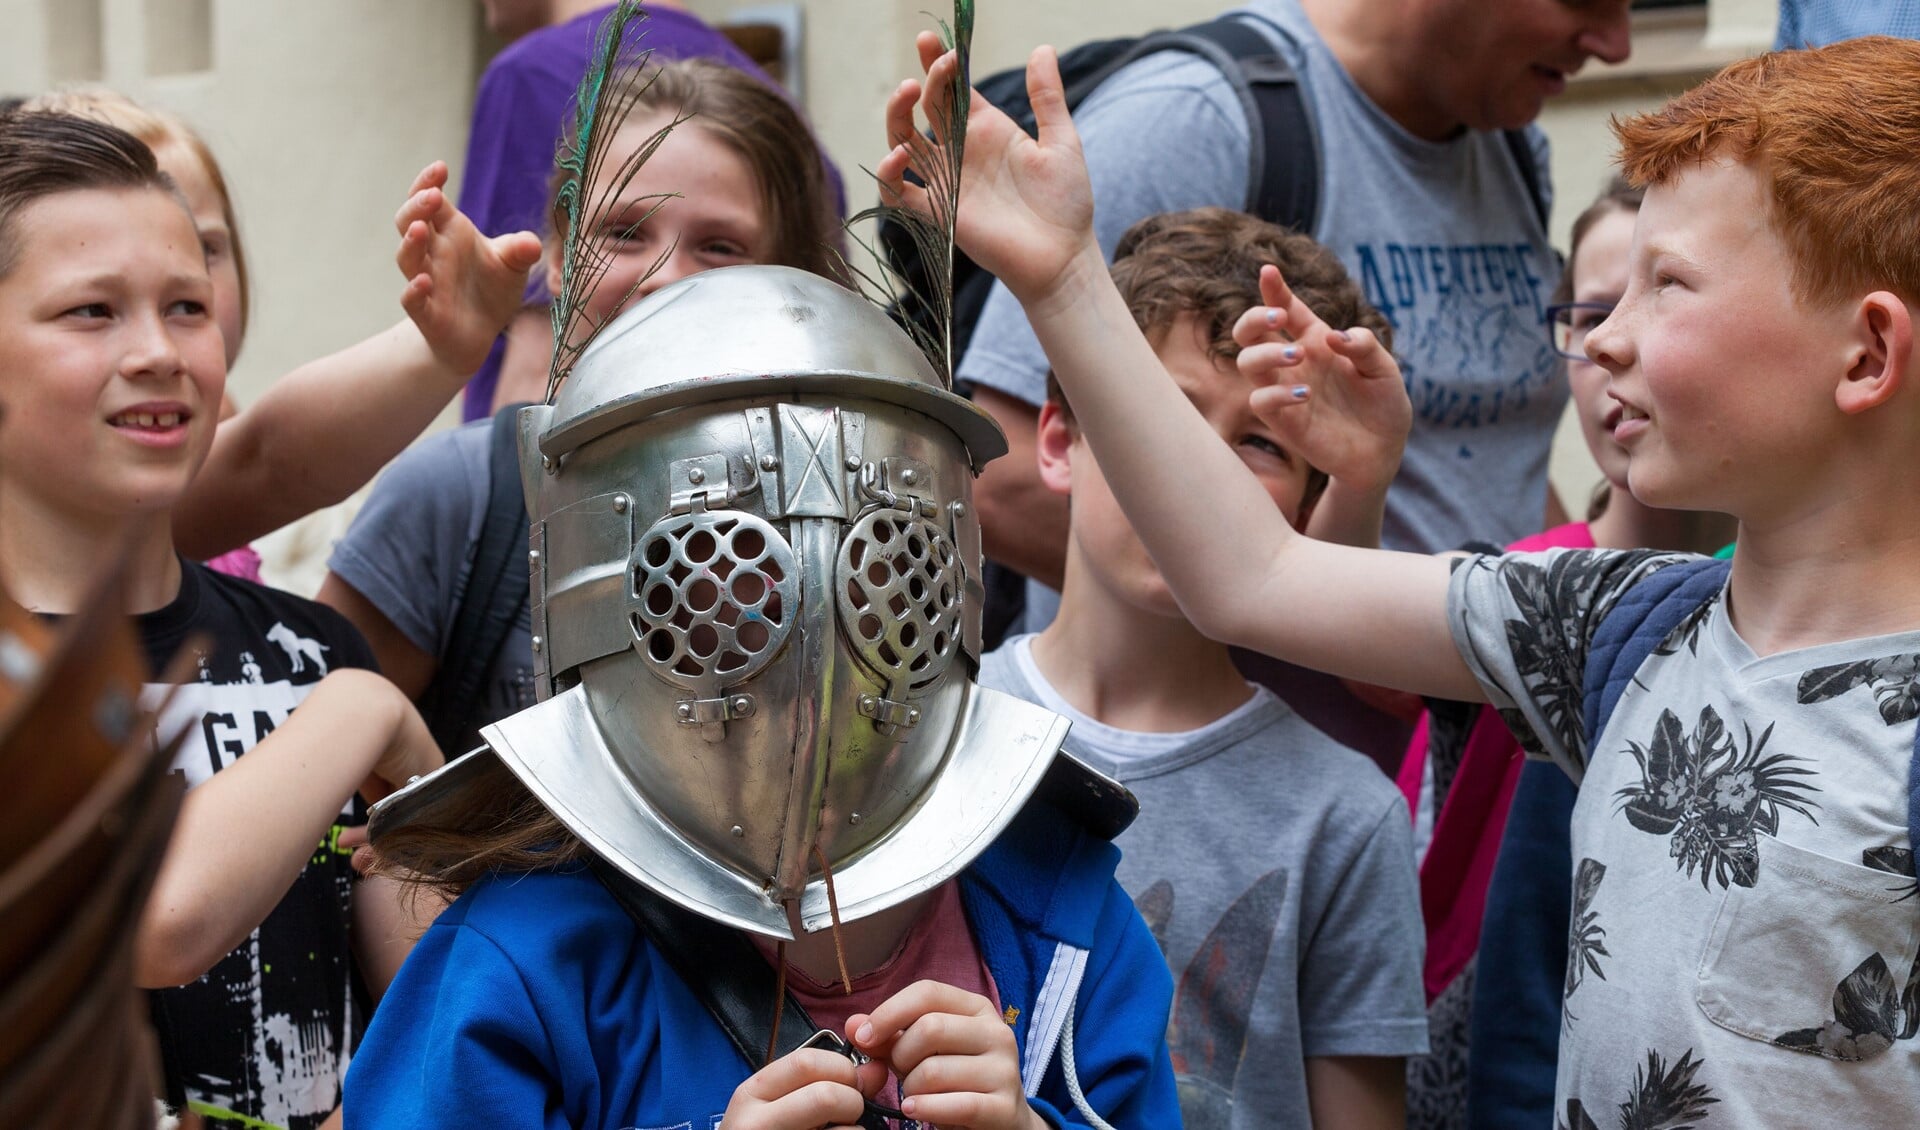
(1570,323)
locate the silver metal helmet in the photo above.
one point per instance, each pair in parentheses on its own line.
(756,609)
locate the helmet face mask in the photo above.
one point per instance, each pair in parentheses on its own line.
(789,608)
(756,608)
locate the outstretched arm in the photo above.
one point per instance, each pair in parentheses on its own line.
(1241,574)
(322,431)
(354,731)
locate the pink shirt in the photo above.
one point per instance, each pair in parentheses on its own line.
(938,947)
(243,563)
(1458,866)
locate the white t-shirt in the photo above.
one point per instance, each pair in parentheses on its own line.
(1745,944)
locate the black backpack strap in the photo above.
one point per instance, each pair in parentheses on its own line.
(1283,149)
(1283,156)
(721,968)
(496,592)
(1523,159)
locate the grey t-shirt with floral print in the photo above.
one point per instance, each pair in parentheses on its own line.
(1745,943)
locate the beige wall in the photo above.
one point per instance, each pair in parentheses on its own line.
(321,113)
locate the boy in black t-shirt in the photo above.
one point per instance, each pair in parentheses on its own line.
(113,372)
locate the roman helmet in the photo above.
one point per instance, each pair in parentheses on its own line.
(756,579)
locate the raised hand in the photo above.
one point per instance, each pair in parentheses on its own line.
(804,1090)
(1335,396)
(462,287)
(956,1059)
(1026,208)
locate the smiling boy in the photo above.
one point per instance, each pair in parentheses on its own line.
(1744,949)
(1274,865)
(255,938)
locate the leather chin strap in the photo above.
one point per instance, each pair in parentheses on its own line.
(731,978)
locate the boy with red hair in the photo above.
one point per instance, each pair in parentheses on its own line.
(1743,944)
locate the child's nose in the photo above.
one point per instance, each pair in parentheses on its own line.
(675,267)
(151,348)
(1607,344)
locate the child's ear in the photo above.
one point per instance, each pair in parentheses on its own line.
(1882,353)
(554,274)
(1053,448)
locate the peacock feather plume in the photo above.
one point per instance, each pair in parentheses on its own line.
(585,219)
(921,297)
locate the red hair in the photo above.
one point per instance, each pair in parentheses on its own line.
(1835,135)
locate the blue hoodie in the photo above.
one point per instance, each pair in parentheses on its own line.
(535,1001)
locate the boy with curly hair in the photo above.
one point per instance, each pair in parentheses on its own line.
(1274,865)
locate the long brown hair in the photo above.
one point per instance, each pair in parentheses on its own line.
(499,826)
(504,828)
(763,128)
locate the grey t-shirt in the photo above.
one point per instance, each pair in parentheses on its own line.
(410,551)
(1745,944)
(1443,237)
(1276,871)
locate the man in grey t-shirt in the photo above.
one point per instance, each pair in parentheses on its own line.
(1420,197)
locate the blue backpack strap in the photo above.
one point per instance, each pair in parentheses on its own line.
(1913,796)
(1644,616)
(1514,1025)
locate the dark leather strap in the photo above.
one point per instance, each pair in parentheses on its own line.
(495,593)
(1523,158)
(1283,153)
(722,968)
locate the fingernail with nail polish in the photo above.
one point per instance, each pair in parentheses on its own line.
(1273,317)
(1299,392)
(1291,353)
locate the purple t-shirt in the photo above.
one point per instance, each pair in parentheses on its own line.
(519,115)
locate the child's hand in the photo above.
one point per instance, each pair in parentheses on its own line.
(462,288)
(1026,209)
(1333,396)
(956,1059)
(803,1090)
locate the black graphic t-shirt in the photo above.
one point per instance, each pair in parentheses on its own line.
(263,1039)
(1745,942)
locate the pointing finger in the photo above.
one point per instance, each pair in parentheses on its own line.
(930,47)
(1048,97)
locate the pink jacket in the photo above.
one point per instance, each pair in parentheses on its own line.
(1472,816)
